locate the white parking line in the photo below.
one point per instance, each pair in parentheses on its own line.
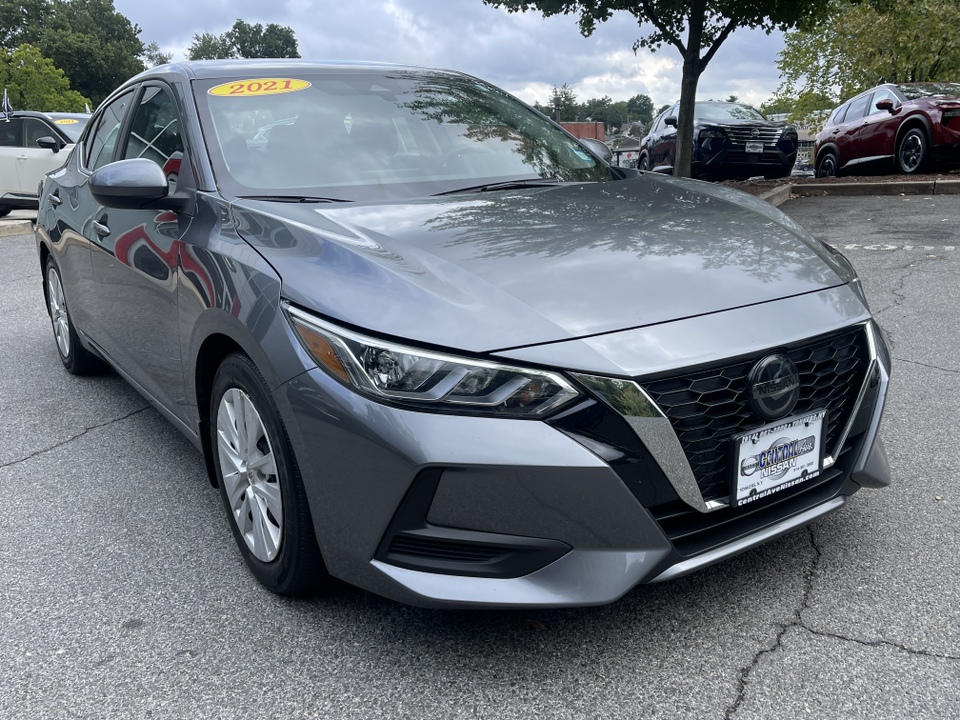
(888,248)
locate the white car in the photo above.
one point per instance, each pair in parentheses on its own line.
(31,145)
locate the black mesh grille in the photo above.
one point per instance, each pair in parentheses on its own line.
(708,407)
(451,550)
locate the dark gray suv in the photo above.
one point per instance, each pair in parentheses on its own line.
(430,344)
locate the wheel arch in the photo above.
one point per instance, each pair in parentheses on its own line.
(913,121)
(44,254)
(823,150)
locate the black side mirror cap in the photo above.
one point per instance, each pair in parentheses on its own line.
(598,148)
(134,184)
(49,142)
(671,121)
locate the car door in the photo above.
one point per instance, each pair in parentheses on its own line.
(33,161)
(10,133)
(878,131)
(67,212)
(135,257)
(846,138)
(663,146)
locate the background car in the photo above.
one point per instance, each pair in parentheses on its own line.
(893,128)
(730,140)
(429,343)
(31,145)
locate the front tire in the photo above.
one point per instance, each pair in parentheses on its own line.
(643,163)
(260,482)
(75,358)
(912,152)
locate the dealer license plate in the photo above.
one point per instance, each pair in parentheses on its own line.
(777,456)
(755,147)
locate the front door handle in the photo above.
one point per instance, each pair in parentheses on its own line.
(100,229)
(55,200)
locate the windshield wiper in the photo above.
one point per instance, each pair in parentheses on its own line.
(293,198)
(508,185)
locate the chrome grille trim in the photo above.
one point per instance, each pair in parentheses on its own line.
(740,135)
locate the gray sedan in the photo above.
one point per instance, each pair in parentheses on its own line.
(432,345)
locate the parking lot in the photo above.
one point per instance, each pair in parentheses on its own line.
(122,594)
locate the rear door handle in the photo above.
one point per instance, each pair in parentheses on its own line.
(100,229)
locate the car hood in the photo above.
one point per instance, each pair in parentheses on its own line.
(488,271)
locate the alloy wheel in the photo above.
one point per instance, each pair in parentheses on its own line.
(250,474)
(58,312)
(911,152)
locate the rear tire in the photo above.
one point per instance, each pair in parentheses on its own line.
(643,163)
(827,165)
(75,358)
(260,482)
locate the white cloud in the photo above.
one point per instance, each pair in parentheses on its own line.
(523,53)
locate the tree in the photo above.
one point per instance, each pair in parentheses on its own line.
(153,57)
(207,46)
(696,28)
(865,43)
(33,82)
(246,41)
(732,99)
(256,41)
(640,108)
(96,47)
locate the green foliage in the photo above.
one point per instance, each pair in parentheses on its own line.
(153,57)
(245,41)
(865,43)
(640,109)
(778,104)
(96,47)
(207,46)
(697,28)
(33,82)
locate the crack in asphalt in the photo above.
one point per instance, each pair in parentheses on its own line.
(798,622)
(71,439)
(932,367)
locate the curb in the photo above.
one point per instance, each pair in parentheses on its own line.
(16,227)
(780,195)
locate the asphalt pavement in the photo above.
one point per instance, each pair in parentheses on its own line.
(122,594)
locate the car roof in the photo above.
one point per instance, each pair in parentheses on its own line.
(208,69)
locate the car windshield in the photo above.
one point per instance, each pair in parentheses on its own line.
(385,135)
(919,90)
(71,126)
(726,111)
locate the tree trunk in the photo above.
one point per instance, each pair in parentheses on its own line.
(688,89)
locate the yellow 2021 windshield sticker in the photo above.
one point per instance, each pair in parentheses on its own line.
(66,121)
(259,86)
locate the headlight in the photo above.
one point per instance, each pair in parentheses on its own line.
(789,134)
(389,372)
(708,133)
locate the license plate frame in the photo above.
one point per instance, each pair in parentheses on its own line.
(755,148)
(777,456)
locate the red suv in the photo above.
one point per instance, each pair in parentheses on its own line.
(908,124)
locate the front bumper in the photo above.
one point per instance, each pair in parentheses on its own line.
(455,511)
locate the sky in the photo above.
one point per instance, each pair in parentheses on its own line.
(524,53)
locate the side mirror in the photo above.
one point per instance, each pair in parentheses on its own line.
(133,184)
(885,104)
(49,143)
(598,148)
(671,121)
